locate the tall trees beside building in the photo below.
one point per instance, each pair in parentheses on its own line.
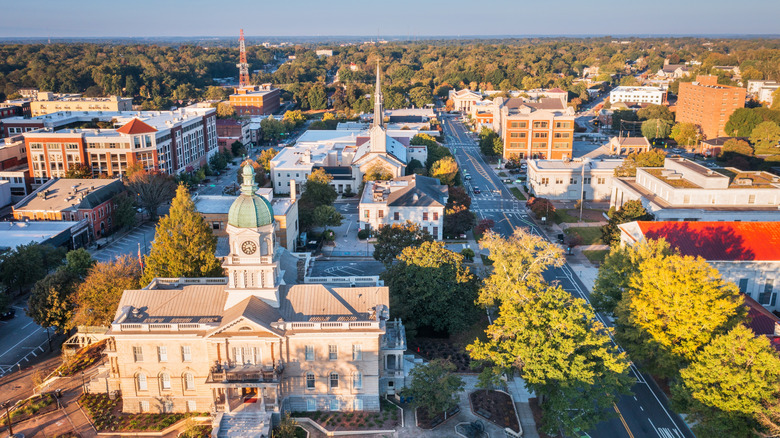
(630,211)
(317,194)
(576,368)
(685,134)
(183,245)
(651,158)
(431,287)
(151,188)
(392,239)
(97,297)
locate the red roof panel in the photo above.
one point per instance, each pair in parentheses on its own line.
(726,241)
(136,126)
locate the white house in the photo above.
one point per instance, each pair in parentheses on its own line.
(745,253)
(415,198)
(566,180)
(463,100)
(654,95)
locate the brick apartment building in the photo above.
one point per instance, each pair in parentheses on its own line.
(538,130)
(73,200)
(170,141)
(256,100)
(708,104)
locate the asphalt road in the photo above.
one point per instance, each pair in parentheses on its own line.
(645,413)
(21,341)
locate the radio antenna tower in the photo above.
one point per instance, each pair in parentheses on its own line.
(243,66)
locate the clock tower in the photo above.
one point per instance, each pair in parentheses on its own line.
(251,265)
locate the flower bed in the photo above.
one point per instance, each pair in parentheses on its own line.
(386,419)
(495,406)
(84,358)
(38,405)
(107,415)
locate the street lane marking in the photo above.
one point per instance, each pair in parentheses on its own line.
(23,339)
(623,420)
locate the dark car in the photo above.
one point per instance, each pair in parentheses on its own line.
(476,190)
(5,316)
(513,171)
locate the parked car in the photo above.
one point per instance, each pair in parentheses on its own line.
(507,180)
(476,190)
(466,176)
(9,314)
(514,171)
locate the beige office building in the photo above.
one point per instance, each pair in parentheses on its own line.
(254,343)
(48,103)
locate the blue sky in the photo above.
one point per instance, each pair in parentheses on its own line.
(140,18)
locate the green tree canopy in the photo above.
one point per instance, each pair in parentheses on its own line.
(630,211)
(685,134)
(265,159)
(742,122)
(326,216)
(183,244)
(430,286)
(766,138)
(434,386)
(51,302)
(445,170)
(392,239)
(673,307)
(377,172)
(656,128)
(79,171)
(79,262)
(651,158)
(317,192)
(661,112)
(734,147)
(124,210)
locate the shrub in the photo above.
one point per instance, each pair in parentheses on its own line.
(363,234)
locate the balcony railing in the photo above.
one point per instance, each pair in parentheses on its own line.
(245,374)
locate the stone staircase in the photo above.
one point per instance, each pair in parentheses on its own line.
(252,424)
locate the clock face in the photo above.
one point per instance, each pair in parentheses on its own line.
(248,247)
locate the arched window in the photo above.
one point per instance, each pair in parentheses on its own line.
(165,381)
(189,381)
(334,380)
(309,380)
(140,382)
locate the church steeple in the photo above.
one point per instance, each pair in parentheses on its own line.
(379,113)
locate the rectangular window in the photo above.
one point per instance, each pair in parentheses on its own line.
(310,352)
(358,404)
(162,353)
(743,285)
(334,380)
(558,181)
(751,199)
(600,181)
(310,381)
(138,354)
(165,381)
(765,297)
(540,135)
(357,380)
(435,232)
(380,214)
(189,381)
(311,405)
(333,352)
(425,216)
(586,181)
(572,180)
(396,216)
(435,215)
(191,406)
(366,214)
(545,181)
(334,404)
(143,406)
(357,352)
(167,406)
(186,353)
(540,124)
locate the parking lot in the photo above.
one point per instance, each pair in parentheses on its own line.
(126,244)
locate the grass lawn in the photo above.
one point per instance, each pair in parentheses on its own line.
(596,256)
(562,216)
(518,193)
(589,235)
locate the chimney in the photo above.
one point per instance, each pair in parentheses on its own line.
(292,190)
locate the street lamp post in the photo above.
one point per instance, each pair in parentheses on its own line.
(8,418)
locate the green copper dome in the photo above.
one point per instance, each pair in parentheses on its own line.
(250,210)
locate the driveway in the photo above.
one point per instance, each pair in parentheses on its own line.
(127,244)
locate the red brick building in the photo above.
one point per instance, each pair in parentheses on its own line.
(708,104)
(256,100)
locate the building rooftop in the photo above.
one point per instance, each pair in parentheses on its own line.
(159,120)
(61,194)
(13,234)
(717,241)
(406,191)
(597,164)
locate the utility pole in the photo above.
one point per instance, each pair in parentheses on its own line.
(8,418)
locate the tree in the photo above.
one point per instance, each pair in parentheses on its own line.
(287,428)
(415,167)
(498,146)
(685,133)
(431,287)
(237,149)
(295,117)
(664,324)
(326,216)
(51,302)
(766,136)
(445,170)
(317,97)
(265,159)
(392,239)
(435,387)
(458,196)
(124,211)
(457,220)
(619,116)
(487,139)
(225,111)
(377,172)
(614,274)
(97,297)
(734,147)
(630,211)
(742,122)
(651,158)
(22,266)
(541,207)
(656,128)
(79,171)
(484,225)
(562,352)
(216,93)
(78,262)
(653,111)
(317,191)
(421,96)
(183,243)
(152,189)
(272,129)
